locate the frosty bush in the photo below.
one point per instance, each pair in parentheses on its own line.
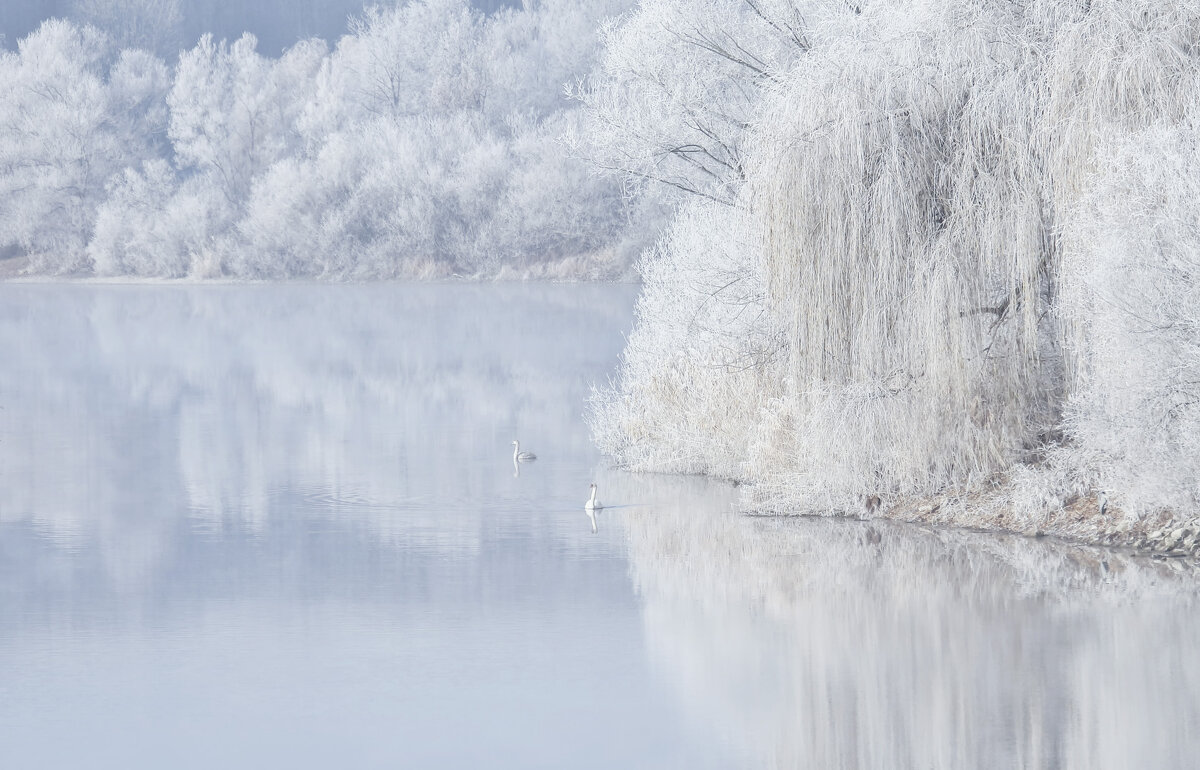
(702,361)
(151,225)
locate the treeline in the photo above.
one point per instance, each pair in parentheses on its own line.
(426,142)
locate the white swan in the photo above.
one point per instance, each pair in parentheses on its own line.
(593,504)
(519,456)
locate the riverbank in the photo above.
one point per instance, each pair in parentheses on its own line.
(1085,518)
(583,268)
(1002,506)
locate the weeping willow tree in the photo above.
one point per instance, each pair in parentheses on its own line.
(911,189)
(908,239)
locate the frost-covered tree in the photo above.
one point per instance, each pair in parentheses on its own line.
(421,58)
(913,182)
(898,179)
(1132,291)
(678,86)
(701,365)
(234,112)
(73,113)
(152,25)
(427,142)
(432,149)
(388,199)
(154,224)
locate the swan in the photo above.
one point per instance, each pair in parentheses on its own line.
(593,504)
(519,456)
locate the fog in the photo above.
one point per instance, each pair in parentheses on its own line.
(240,524)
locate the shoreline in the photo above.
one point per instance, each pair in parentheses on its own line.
(1080,519)
(14,274)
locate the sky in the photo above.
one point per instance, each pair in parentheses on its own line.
(276,23)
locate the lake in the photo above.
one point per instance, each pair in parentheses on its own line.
(247,526)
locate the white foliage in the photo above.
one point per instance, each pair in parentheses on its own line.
(415,59)
(678,86)
(1133,287)
(425,144)
(234,112)
(554,206)
(898,178)
(417,184)
(153,25)
(913,182)
(72,114)
(700,363)
(150,225)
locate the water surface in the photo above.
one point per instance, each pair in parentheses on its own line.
(254,526)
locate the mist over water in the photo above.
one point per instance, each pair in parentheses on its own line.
(250,526)
(279,526)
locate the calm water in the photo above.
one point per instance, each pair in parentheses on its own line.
(263,526)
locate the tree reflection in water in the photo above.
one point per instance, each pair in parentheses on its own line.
(833,643)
